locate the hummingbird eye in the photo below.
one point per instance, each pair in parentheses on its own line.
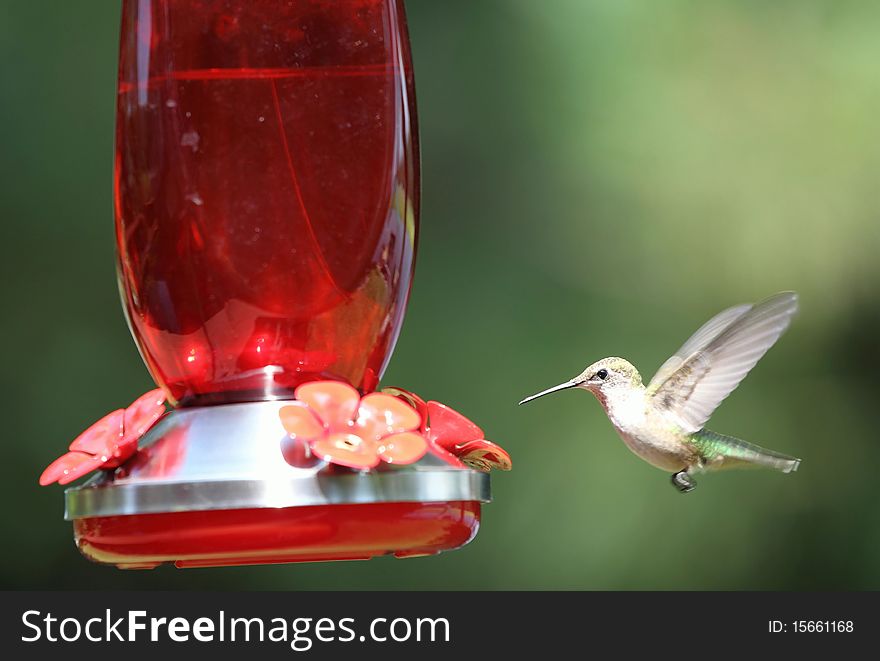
(602,374)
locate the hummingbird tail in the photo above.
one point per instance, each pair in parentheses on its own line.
(720,451)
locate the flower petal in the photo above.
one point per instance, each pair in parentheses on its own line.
(69,467)
(142,414)
(405,448)
(483,455)
(121,454)
(300,422)
(447,427)
(334,403)
(102,437)
(346,450)
(380,415)
(412,399)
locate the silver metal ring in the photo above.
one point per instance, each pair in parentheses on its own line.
(411,486)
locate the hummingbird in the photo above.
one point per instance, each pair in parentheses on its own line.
(663,422)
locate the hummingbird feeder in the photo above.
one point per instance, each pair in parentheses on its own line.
(267,203)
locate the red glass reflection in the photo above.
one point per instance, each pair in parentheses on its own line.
(267,191)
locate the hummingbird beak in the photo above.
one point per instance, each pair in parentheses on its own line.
(574,383)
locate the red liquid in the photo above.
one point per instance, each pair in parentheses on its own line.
(293,534)
(267,184)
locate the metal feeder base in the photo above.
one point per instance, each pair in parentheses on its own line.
(211,486)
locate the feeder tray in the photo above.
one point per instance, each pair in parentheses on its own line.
(210,486)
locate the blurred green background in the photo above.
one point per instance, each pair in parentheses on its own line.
(599,179)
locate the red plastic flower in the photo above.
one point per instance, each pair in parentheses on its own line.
(343,428)
(453,436)
(108,442)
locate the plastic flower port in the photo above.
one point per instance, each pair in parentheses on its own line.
(108,442)
(343,428)
(453,436)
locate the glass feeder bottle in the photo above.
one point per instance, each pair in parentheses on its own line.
(267,203)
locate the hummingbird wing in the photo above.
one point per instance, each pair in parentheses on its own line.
(691,384)
(704,335)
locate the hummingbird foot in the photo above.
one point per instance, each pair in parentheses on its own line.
(683,481)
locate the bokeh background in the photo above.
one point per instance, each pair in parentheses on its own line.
(599,179)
